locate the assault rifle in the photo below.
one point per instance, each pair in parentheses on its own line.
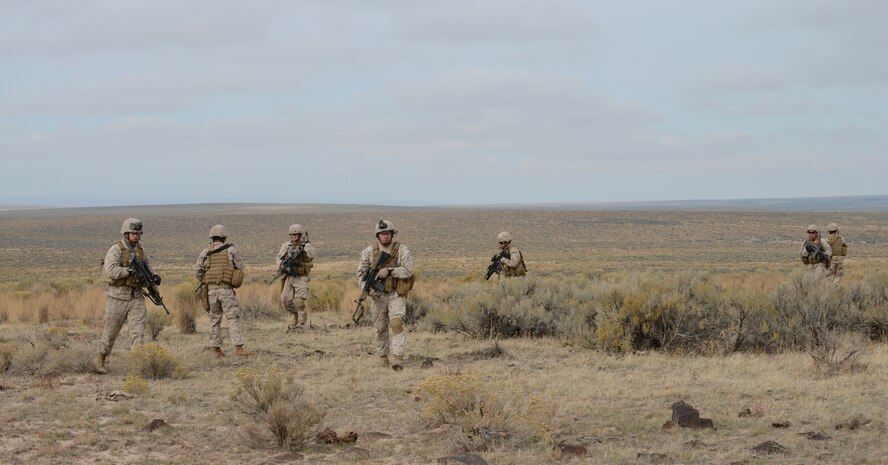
(370,283)
(147,280)
(816,253)
(495,264)
(288,264)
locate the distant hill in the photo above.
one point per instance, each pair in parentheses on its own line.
(877,203)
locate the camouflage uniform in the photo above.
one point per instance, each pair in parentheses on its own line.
(840,251)
(514,265)
(294,287)
(389,308)
(124,301)
(817,267)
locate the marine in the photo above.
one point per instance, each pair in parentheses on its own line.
(124,301)
(388,307)
(839,251)
(294,290)
(220,270)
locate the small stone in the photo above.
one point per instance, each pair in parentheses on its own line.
(854,422)
(770,447)
(466,459)
(563,449)
(780,424)
(816,436)
(156,424)
(745,413)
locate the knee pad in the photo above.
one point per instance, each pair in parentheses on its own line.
(299,303)
(396,324)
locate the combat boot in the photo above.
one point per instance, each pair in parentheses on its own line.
(384,361)
(295,324)
(242,352)
(99,364)
(398,365)
(217,351)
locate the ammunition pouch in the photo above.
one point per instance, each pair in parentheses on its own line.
(400,285)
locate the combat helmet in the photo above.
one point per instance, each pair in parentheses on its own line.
(218,231)
(504,237)
(296,229)
(385,225)
(131,225)
(832,227)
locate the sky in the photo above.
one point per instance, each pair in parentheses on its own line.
(396,102)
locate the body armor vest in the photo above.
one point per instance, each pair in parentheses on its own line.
(219,270)
(305,263)
(808,260)
(402,286)
(125,260)
(518,270)
(839,248)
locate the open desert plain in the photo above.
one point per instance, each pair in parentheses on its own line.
(624,317)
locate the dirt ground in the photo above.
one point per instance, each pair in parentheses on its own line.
(615,406)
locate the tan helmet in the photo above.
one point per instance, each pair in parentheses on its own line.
(385,225)
(832,227)
(218,231)
(813,227)
(131,225)
(504,237)
(296,229)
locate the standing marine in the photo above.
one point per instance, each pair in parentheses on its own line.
(839,252)
(220,269)
(511,262)
(124,300)
(815,252)
(389,306)
(294,290)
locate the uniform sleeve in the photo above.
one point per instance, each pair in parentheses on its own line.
(235,259)
(405,263)
(363,265)
(804,251)
(111,267)
(200,268)
(281,253)
(827,249)
(309,250)
(514,257)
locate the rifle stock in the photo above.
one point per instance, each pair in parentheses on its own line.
(145,278)
(288,264)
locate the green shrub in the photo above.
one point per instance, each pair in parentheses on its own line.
(481,415)
(277,410)
(325,295)
(135,384)
(153,361)
(156,321)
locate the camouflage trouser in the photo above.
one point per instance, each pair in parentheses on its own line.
(819,269)
(388,312)
(836,269)
(118,311)
(293,296)
(224,300)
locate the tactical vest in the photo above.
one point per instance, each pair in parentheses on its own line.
(402,286)
(219,270)
(839,248)
(305,264)
(518,270)
(809,259)
(125,260)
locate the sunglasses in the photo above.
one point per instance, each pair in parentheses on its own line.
(504,242)
(812,232)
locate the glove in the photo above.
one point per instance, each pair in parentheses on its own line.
(156,279)
(809,247)
(130,270)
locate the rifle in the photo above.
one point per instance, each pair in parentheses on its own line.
(369,284)
(288,264)
(147,280)
(495,264)
(818,254)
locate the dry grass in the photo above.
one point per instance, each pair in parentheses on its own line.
(614,405)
